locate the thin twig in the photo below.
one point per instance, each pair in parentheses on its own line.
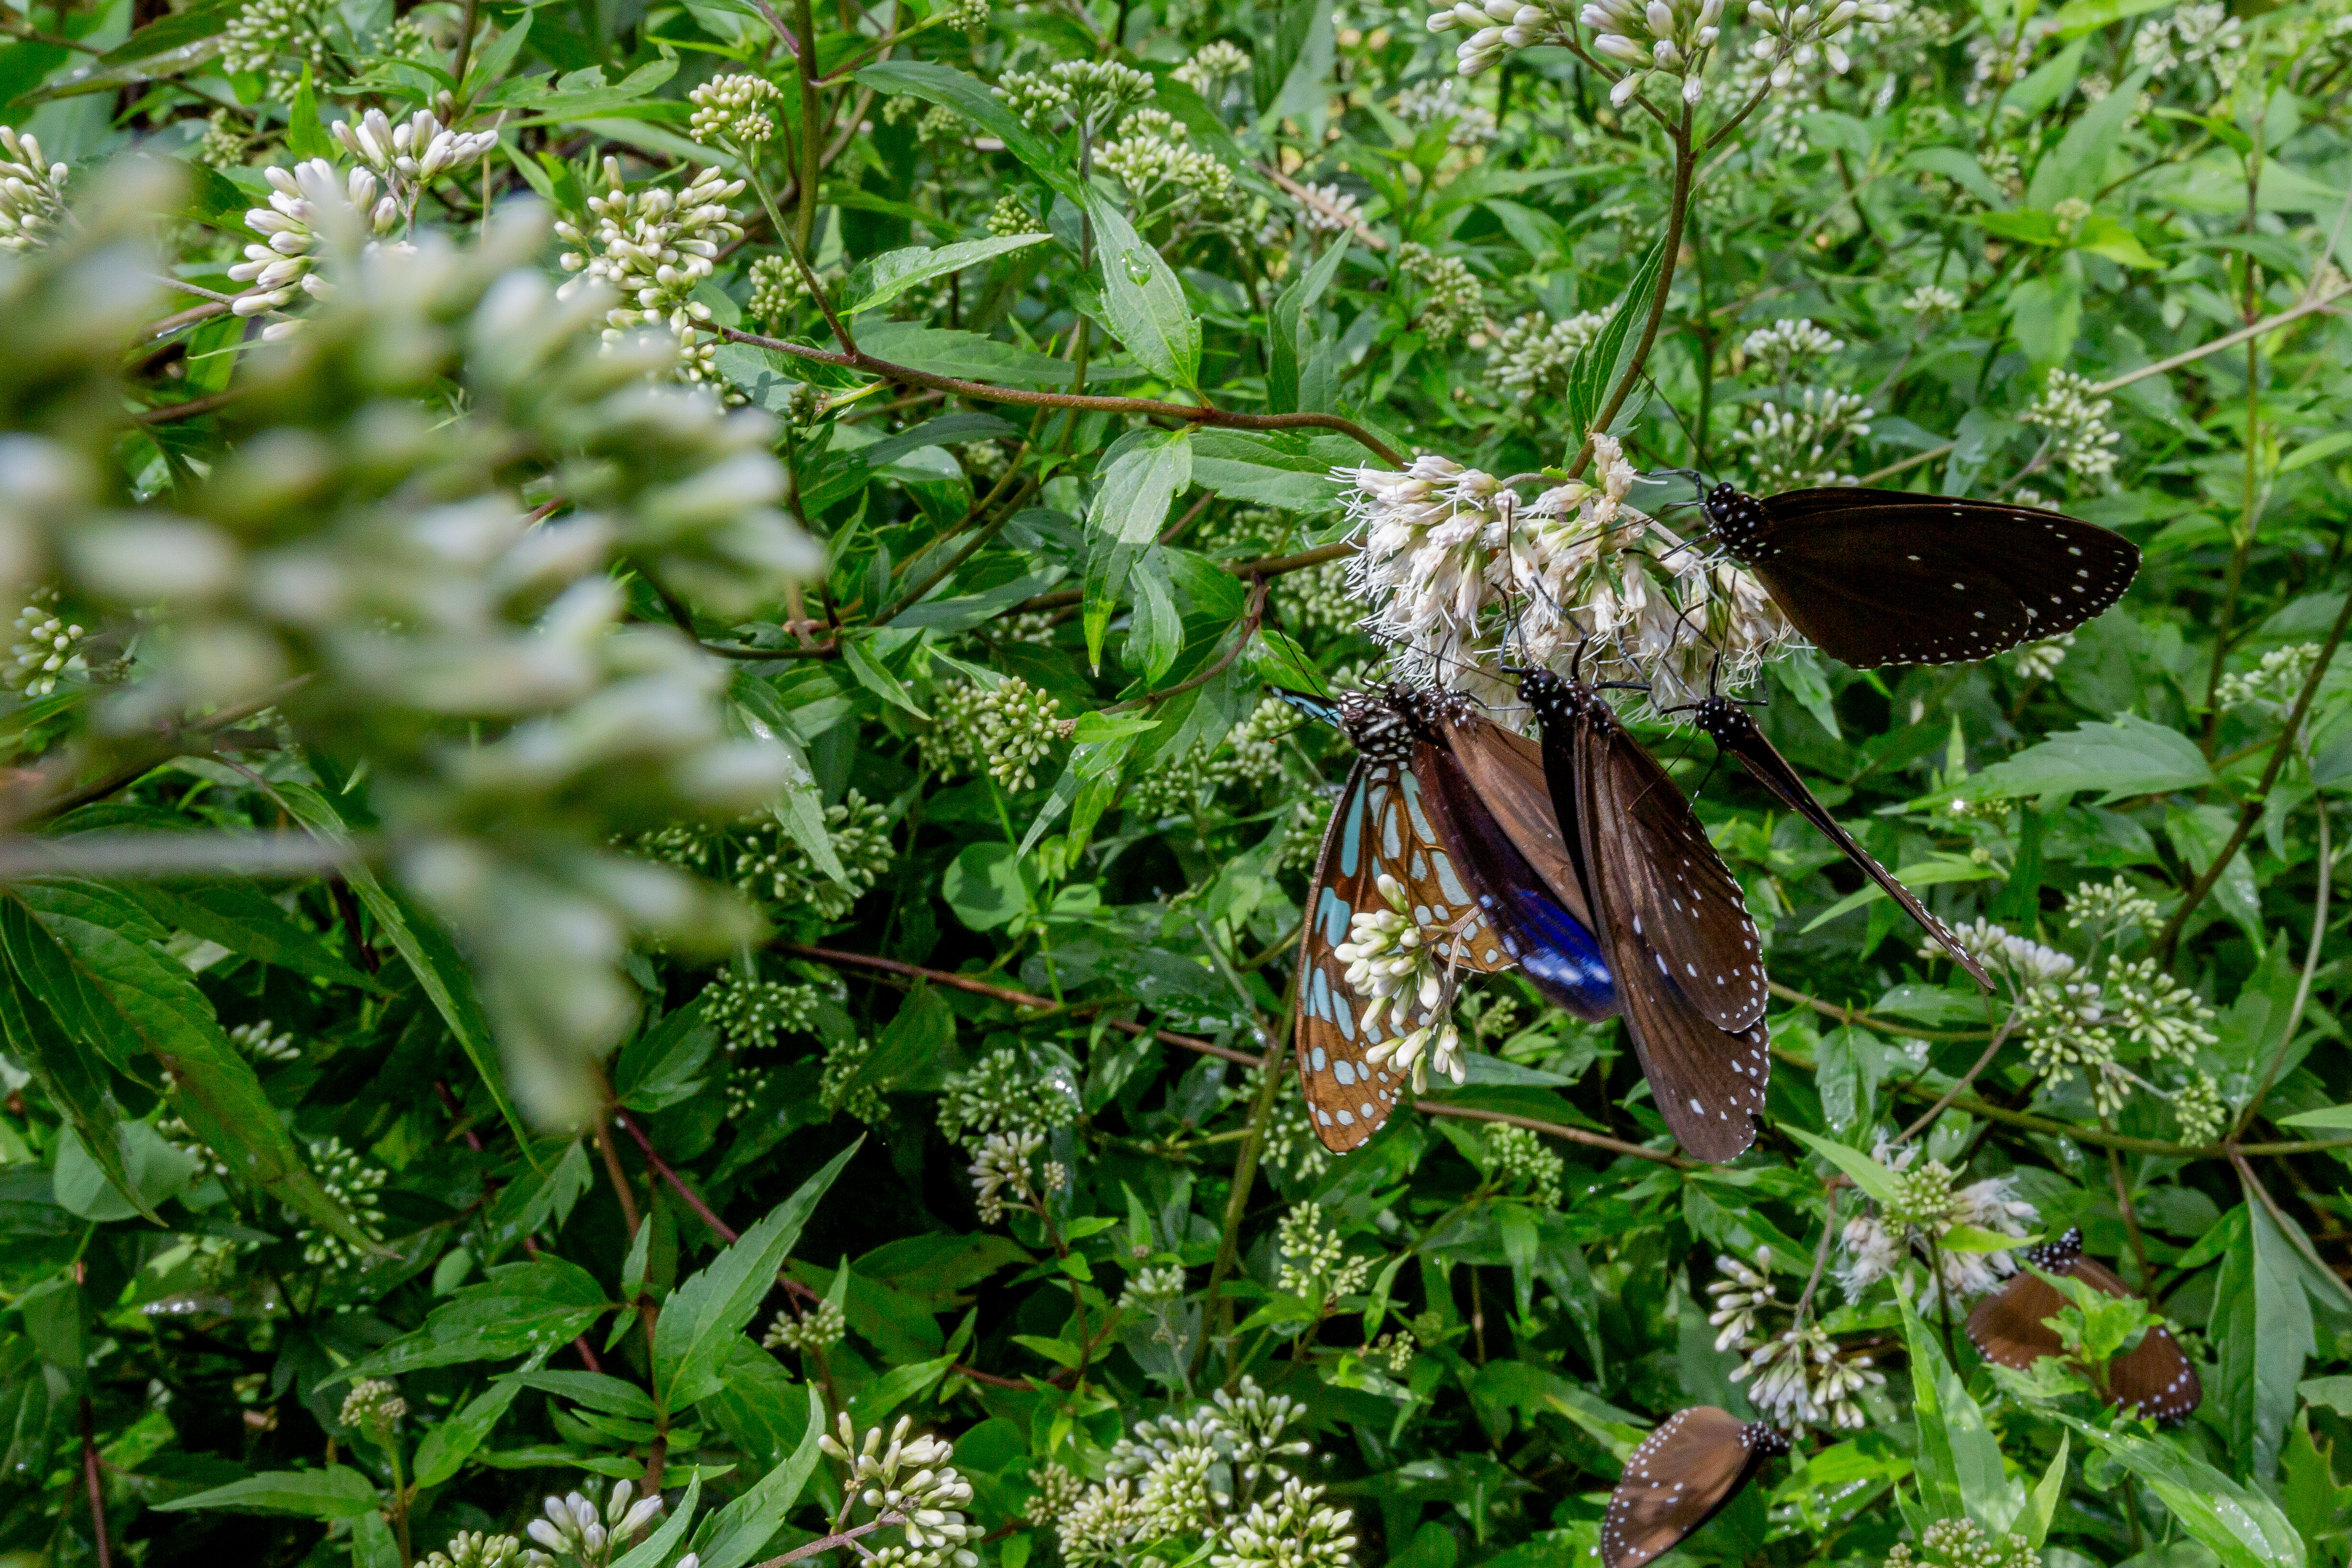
(90,1476)
(1187,413)
(1018,998)
(720,1227)
(1307,197)
(2303,986)
(1251,620)
(1855,1018)
(1556,1130)
(194,407)
(1961,1086)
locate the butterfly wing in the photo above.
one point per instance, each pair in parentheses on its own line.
(1555,951)
(1728,725)
(1507,772)
(1348,1098)
(1682,1476)
(1410,847)
(2010,1325)
(1876,577)
(1680,898)
(1708,1082)
(2154,1376)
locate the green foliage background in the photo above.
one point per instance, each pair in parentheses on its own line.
(345,1037)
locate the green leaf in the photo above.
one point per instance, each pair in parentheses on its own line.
(2041,1504)
(2333,1118)
(593,1389)
(2243,1528)
(663,1065)
(444,1450)
(1142,475)
(2315,450)
(2261,1326)
(1155,633)
(900,1385)
(1285,468)
(1925,874)
(242,918)
(944,352)
(984,885)
(1599,364)
(1145,301)
(1875,1181)
(1286,329)
(2198,833)
(74,1080)
(2079,17)
(871,675)
(522,1309)
(701,1318)
(971,98)
(1959,1469)
(2125,757)
(2077,166)
(429,956)
(882,278)
(306,134)
(157,1169)
(336,1492)
(739,1531)
(654,1549)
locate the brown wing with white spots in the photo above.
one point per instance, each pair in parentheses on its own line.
(1506,771)
(1707,1081)
(2012,1327)
(1680,899)
(1881,577)
(1346,1098)
(1730,727)
(1681,1476)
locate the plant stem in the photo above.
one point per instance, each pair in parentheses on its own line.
(693,1199)
(1185,413)
(812,136)
(2303,986)
(1556,1129)
(1960,1087)
(2252,811)
(1218,1316)
(2131,1217)
(1677,213)
(90,1479)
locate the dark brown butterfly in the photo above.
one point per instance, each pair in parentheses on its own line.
(1671,919)
(2009,1326)
(1382,826)
(1682,1476)
(1726,723)
(1901,577)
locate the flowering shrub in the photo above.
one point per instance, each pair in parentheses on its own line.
(654,846)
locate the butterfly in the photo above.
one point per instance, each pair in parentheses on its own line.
(1879,577)
(1482,915)
(1674,926)
(1682,1476)
(1726,723)
(2152,1378)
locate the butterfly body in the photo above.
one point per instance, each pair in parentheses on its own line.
(1682,1475)
(1728,724)
(2153,1378)
(1673,922)
(1481,915)
(1878,577)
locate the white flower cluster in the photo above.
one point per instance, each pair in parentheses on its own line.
(374,1406)
(1495,27)
(815,1332)
(1014,726)
(1534,353)
(1212,66)
(473,1549)
(2080,440)
(1319,599)
(1466,124)
(2039,660)
(1011,216)
(1798,444)
(733,108)
(2199,33)
(32,194)
(1792,33)
(2275,680)
(998,1094)
(1090,94)
(1454,567)
(275,39)
(1314,1260)
(1659,39)
(1327,209)
(1930,299)
(654,246)
(1397,968)
(1002,1167)
(1926,1206)
(1450,295)
(313,207)
(1802,1376)
(1780,347)
(1216,1474)
(353,1182)
(778,287)
(1149,157)
(46,643)
(1964,1543)
(255,1042)
(1289,1144)
(1518,1157)
(911,1480)
(779,872)
(962,16)
(575,1531)
(412,154)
